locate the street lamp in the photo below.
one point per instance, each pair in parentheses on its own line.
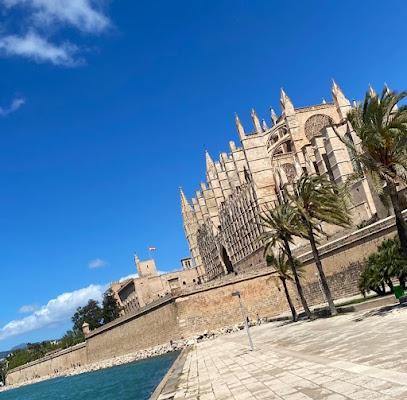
(244,319)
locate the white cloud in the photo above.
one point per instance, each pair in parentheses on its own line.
(84,15)
(56,312)
(40,50)
(14,106)
(29,308)
(98,263)
(40,19)
(131,276)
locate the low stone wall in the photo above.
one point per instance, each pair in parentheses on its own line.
(154,325)
(52,364)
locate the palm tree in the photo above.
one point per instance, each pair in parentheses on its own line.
(371,278)
(381,155)
(282,225)
(393,262)
(284,271)
(316,199)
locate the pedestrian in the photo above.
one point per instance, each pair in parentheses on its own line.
(258,319)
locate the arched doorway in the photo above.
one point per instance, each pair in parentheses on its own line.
(226,261)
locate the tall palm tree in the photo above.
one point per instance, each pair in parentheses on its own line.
(381,155)
(316,199)
(284,271)
(282,225)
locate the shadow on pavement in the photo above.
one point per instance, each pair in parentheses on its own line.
(378,312)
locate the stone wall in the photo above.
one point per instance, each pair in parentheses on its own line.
(214,307)
(151,326)
(49,365)
(211,306)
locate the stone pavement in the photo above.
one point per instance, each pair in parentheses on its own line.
(354,356)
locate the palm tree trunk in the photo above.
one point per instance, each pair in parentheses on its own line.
(383,289)
(401,229)
(318,263)
(290,303)
(297,279)
(402,281)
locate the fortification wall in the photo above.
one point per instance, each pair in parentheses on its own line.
(154,325)
(211,306)
(49,365)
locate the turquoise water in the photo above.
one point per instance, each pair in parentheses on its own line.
(135,381)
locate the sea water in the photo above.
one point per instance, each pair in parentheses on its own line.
(134,381)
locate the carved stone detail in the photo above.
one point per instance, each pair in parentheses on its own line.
(290,172)
(314,125)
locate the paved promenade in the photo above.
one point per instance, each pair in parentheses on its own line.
(353,356)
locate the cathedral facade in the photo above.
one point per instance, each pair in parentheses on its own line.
(222,221)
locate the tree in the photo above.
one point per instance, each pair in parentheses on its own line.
(71,338)
(387,263)
(371,278)
(91,313)
(316,199)
(381,155)
(282,225)
(393,261)
(18,357)
(284,271)
(3,371)
(111,309)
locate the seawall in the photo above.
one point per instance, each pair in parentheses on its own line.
(210,306)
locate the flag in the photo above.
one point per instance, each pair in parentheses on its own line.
(151,248)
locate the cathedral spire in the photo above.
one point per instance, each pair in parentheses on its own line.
(388,91)
(337,94)
(265,127)
(185,206)
(209,163)
(286,103)
(256,122)
(336,90)
(273,116)
(341,102)
(372,92)
(239,127)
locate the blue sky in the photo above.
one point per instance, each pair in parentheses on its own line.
(105,110)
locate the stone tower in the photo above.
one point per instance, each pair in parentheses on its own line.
(145,268)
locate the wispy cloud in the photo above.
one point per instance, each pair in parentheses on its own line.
(98,263)
(38,49)
(57,312)
(43,18)
(14,106)
(85,15)
(29,308)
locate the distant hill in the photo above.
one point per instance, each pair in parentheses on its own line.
(21,346)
